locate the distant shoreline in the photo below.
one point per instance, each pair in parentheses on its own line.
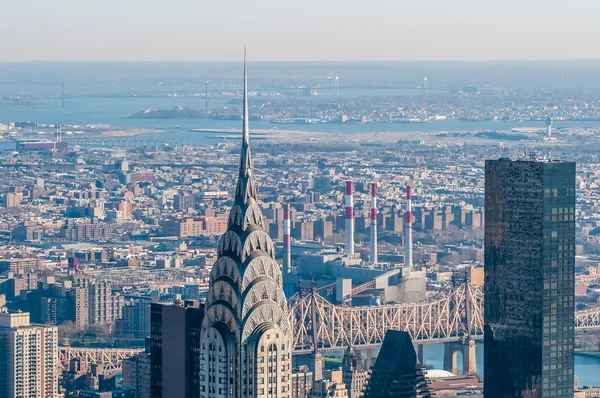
(129,132)
(588,354)
(282,135)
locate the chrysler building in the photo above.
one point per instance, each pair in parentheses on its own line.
(246,337)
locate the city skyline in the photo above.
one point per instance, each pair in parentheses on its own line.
(310,31)
(421,199)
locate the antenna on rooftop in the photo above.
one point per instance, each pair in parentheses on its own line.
(206,94)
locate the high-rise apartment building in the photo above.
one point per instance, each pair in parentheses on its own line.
(246,335)
(29,358)
(529,278)
(80,307)
(323,230)
(86,231)
(105,307)
(97,297)
(184,201)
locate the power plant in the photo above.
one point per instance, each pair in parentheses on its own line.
(364,281)
(57,144)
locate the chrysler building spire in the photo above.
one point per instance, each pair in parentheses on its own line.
(246,323)
(245,185)
(246,132)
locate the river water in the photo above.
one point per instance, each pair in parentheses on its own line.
(116,111)
(586,368)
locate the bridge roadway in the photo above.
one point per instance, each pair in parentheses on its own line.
(319,326)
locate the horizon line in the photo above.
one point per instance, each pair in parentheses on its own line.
(309,61)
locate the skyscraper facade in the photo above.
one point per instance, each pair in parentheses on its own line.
(175,349)
(246,337)
(397,372)
(29,358)
(529,278)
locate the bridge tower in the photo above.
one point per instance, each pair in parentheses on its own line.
(467,349)
(467,345)
(317,357)
(420,353)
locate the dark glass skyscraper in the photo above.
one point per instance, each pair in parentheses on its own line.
(175,349)
(397,372)
(529,278)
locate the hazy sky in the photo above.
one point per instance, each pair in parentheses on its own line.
(304,30)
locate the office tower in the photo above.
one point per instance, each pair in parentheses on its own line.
(397,372)
(246,335)
(29,358)
(175,349)
(529,278)
(354,374)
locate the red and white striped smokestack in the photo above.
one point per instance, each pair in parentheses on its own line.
(287,240)
(374,223)
(58,136)
(349,231)
(408,229)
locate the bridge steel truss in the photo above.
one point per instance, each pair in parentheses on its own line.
(318,325)
(111,358)
(588,319)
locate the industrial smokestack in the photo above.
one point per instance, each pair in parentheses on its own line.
(58,135)
(374,223)
(287,241)
(408,229)
(349,232)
